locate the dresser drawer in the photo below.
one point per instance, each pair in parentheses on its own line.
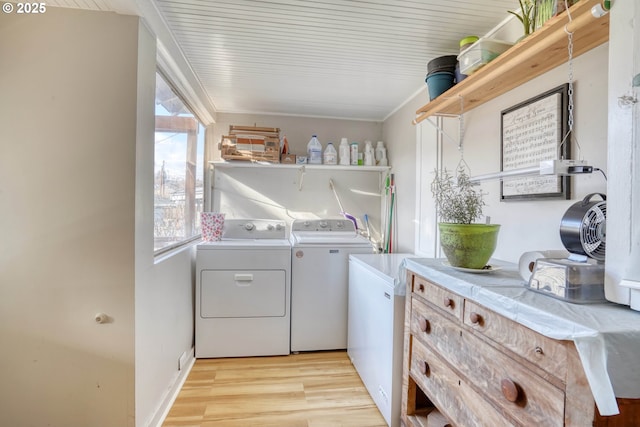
(450,393)
(436,419)
(546,353)
(434,329)
(526,397)
(446,300)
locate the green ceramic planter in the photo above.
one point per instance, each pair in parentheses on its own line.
(468,245)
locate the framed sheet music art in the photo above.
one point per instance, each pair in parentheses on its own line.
(533,131)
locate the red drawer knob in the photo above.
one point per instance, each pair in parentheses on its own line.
(475,318)
(448,302)
(509,390)
(424,325)
(424,368)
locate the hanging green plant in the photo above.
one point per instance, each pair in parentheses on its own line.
(457,199)
(465,244)
(527,15)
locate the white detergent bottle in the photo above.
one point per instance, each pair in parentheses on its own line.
(330,155)
(345,152)
(368,154)
(314,151)
(381,152)
(383,160)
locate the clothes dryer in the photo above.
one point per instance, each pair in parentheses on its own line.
(243,291)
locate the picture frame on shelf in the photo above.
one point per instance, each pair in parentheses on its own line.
(533,131)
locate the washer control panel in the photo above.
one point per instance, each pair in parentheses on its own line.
(322,225)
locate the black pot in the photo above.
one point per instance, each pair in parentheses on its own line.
(442,63)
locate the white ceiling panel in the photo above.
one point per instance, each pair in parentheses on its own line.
(355,59)
(331,58)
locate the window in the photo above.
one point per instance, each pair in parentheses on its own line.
(178,168)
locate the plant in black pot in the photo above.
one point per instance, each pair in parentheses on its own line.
(465,244)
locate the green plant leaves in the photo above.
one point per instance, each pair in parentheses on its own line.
(456,198)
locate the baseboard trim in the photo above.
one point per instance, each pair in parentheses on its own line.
(171,396)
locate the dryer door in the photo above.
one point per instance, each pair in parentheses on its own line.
(243,293)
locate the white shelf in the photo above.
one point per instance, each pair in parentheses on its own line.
(245,164)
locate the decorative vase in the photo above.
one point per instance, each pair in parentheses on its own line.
(468,245)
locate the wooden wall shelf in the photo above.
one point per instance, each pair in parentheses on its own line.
(541,51)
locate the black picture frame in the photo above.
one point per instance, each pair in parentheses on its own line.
(530,132)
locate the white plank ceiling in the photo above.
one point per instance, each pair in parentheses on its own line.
(357,59)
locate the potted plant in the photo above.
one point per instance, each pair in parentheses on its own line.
(527,15)
(465,244)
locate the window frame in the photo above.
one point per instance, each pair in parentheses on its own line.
(194,164)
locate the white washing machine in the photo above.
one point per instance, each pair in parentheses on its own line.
(243,291)
(319,281)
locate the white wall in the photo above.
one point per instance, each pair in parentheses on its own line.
(164,329)
(67,192)
(273,193)
(527,225)
(286,193)
(76,196)
(400,137)
(164,287)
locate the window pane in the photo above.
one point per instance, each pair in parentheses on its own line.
(178,164)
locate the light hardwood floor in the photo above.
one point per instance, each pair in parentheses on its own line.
(300,390)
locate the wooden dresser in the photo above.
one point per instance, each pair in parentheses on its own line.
(466,365)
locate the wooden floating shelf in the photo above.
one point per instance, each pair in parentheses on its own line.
(538,53)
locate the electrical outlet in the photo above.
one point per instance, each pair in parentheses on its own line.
(384,396)
(564,167)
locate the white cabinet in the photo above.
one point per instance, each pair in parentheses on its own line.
(622,279)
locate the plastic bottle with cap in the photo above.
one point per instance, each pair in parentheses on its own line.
(314,151)
(383,160)
(330,155)
(345,152)
(354,153)
(369,155)
(380,152)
